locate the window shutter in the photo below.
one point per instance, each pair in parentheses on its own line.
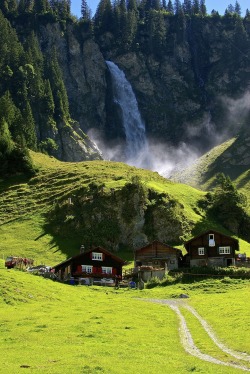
(79,269)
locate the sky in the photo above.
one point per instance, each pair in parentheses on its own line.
(219,5)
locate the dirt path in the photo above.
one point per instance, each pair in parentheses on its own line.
(211,333)
(188,342)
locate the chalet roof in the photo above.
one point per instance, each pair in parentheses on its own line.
(211,232)
(157,242)
(100,249)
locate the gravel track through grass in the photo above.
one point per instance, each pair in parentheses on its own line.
(188,342)
(211,333)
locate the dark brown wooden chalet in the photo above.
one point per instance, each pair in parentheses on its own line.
(93,265)
(211,248)
(158,255)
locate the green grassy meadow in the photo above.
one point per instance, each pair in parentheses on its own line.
(49,327)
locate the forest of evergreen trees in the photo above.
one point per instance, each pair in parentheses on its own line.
(32,93)
(33,97)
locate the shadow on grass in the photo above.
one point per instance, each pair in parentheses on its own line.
(70,245)
(13,181)
(40,236)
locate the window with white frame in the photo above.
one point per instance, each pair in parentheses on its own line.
(87,269)
(97,256)
(201,251)
(224,250)
(211,241)
(106,270)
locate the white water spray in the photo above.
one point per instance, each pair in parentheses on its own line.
(136,151)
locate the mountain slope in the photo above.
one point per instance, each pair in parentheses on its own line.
(231,158)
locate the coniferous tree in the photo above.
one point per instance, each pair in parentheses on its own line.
(170,7)
(84,7)
(240,39)
(187,6)
(132,5)
(177,7)
(63,9)
(117,19)
(230,9)
(147,5)
(8,6)
(155,4)
(11,51)
(103,17)
(40,6)
(6,143)
(4,7)
(196,7)
(237,8)
(131,27)
(124,24)
(48,101)
(7,109)
(157,32)
(28,127)
(21,6)
(60,97)
(214,13)
(203,8)
(164,4)
(30,6)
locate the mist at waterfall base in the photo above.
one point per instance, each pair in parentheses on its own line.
(137,150)
(160,157)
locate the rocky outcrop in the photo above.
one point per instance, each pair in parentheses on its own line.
(74,145)
(84,73)
(129,217)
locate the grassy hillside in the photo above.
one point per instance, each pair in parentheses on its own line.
(230,158)
(24,202)
(53,328)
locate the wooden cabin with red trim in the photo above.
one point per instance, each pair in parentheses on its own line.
(95,265)
(211,248)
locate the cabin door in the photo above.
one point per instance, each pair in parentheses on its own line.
(229,262)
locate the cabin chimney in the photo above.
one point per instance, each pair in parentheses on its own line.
(82,249)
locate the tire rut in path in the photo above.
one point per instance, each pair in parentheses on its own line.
(188,342)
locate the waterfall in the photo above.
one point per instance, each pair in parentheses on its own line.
(136,151)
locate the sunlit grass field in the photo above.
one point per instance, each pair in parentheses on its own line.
(48,327)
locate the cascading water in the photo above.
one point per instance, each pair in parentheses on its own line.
(136,151)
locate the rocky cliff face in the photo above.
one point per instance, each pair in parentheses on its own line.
(182,94)
(186,94)
(83,69)
(84,72)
